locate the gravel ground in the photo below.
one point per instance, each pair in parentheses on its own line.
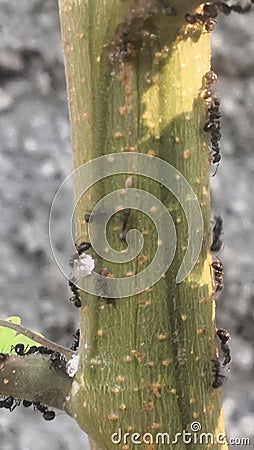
(35,157)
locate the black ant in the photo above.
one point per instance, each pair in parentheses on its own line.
(49,415)
(21,350)
(58,360)
(9,403)
(124,42)
(27,403)
(75,343)
(241,10)
(213,126)
(207,17)
(218,274)
(41,350)
(82,247)
(217,230)
(218,377)
(76,297)
(224,337)
(210,12)
(3,357)
(46,413)
(126,214)
(210,78)
(87,218)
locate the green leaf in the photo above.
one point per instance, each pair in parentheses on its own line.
(9,337)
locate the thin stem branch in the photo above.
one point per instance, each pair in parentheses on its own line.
(35,337)
(32,377)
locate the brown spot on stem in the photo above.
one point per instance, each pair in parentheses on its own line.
(165,362)
(113,417)
(142,259)
(127,359)
(148,406)
(156,426)
(129,274)
(128,182)
(138,355)
(161,337)
(144,303)
(151,153)
(208,409)
(118,135)
(120,379)
(115,390)
(95,362)
(156,389)
(151,363)
(202,331)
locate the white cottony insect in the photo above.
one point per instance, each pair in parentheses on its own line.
(72,366)
(84,265)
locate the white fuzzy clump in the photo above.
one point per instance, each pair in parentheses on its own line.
(84,265)
(72,366)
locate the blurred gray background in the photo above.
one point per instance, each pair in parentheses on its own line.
(35,156)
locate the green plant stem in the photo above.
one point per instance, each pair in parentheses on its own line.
(33,377)
(146,360)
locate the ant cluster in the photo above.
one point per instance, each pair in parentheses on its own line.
(11,403)
(212,125)
(21,350)
(217,230)
(57,360)
(222,334)
(207,17)
(211,10)
(47,414)
(224,337)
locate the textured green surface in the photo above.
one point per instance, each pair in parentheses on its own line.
(145,361)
